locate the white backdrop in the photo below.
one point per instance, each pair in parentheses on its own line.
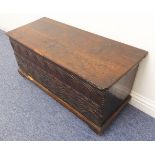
(131,22)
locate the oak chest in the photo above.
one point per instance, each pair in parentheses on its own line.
(90,75)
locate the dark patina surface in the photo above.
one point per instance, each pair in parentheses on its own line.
(90,75)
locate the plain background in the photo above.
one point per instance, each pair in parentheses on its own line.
(131,22)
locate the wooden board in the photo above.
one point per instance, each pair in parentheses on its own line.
(97,60)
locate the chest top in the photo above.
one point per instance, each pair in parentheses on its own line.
(98,60)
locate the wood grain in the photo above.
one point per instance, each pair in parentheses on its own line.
(97,60)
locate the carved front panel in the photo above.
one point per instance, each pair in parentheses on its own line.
(96,105)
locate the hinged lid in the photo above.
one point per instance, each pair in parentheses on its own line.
(98,60)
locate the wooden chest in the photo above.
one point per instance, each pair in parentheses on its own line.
(90,75)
